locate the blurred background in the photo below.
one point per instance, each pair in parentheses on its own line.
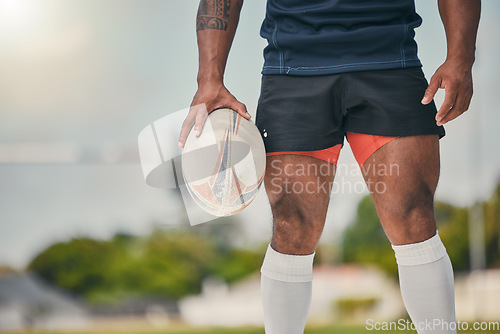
(86,245)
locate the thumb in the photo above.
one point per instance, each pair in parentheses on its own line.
(241,109)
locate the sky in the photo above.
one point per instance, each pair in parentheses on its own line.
(80,79)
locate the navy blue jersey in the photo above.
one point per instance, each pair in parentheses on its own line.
(313,37)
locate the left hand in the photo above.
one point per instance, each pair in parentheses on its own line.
(456,79)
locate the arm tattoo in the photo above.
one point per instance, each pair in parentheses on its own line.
(213,14)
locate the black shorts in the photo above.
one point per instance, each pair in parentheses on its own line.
(308,113)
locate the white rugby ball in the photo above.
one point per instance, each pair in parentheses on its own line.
(224,167)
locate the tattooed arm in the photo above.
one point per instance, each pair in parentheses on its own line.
(216,24)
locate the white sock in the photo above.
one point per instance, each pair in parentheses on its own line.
(427,287)
(286,283)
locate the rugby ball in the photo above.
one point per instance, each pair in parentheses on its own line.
(224,167)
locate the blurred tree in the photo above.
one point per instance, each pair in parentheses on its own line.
(80,265)
(492,229)
(169,264)
(226,232)
(173,264)
(237,263)
(364,241)
(453,229)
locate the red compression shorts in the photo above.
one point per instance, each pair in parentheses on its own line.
(362,146)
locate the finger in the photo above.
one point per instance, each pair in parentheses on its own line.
(461,105)
(235,105)
(451,115)
(449,101)
(467,102)
(188,123)
(201,116)
(186,128)
(241,109)
(431,90)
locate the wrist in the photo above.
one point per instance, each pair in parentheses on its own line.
(209,78)
(463,60)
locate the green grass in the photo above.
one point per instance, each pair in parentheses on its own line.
(332,329)
(310,330)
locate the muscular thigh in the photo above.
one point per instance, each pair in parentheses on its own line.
(402,177)
(298,188)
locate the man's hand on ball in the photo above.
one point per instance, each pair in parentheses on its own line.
(455,78)
(208,98)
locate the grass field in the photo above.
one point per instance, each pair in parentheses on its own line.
(310,330)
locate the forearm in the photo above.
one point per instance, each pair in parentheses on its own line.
(216,24)
(460,19)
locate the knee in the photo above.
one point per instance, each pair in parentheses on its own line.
(288,213)
(410,218)
(296,230)
(418,205)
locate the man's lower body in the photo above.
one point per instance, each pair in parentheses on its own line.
(304,121)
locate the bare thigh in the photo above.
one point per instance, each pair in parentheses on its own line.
(299,189)
(402,177)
